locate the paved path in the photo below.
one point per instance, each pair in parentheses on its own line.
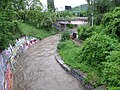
(37,69)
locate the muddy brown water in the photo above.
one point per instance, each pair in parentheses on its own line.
(37,69)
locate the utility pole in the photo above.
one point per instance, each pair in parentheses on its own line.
(92,18)
(92,14)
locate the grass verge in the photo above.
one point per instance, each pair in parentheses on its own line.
(70,53)
(32,31)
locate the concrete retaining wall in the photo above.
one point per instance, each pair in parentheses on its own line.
(8,60)
(79,75)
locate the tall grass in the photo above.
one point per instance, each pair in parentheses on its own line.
(32,31)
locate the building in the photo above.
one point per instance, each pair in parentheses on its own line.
(67,7)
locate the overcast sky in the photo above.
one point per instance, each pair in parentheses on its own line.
(60,4)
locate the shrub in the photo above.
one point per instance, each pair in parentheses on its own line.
(113,29)
(65,35)
(66,45)
(109,17)
(83,13)
(114,88)
(60,45)
(95,48)
(69,51)
(8,28)
(39,19)
(98,19)
(111,71)
(99,56)
(85,32)
(112,23)
(7,33)
(71,26)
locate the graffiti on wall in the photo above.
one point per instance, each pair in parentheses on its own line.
(8,60)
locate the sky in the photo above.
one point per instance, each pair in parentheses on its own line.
(60,4)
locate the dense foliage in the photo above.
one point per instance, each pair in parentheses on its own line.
(94,52)
(99,56)
(65,14)
(99,8)
(85,32)
(39,33)
(38,19)
(50,5)
(8,29)
(110,25)
(69,52)
(71,26)
(111,21)
(106,71)
(111,69)
(26,11)
(65,36)
(100,44)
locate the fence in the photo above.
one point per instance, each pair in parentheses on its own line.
(8,60)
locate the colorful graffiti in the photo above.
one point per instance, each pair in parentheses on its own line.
(8,60)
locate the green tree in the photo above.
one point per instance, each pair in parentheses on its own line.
(89,10)
(50,5)
(116,3)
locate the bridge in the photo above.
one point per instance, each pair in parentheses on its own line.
(76,21)
(61,24)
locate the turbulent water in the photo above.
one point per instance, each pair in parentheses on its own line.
(37,69)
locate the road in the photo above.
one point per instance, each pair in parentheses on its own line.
(37,69)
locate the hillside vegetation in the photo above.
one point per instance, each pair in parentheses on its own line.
(17,20)
(99,55)
(35,32)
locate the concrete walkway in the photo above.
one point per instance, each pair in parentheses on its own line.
(37,69)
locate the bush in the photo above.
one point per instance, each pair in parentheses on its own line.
(66,45)
(109,17)
(114,88)
(8,31)
(39,19)
(98,19)
(113,29)
(85,32)
(95,48)
(99,56)
(65,35)
(32,31)
(71,26)
(83,13)
(69,51)
(82,32)
(112,23)
(112,69)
